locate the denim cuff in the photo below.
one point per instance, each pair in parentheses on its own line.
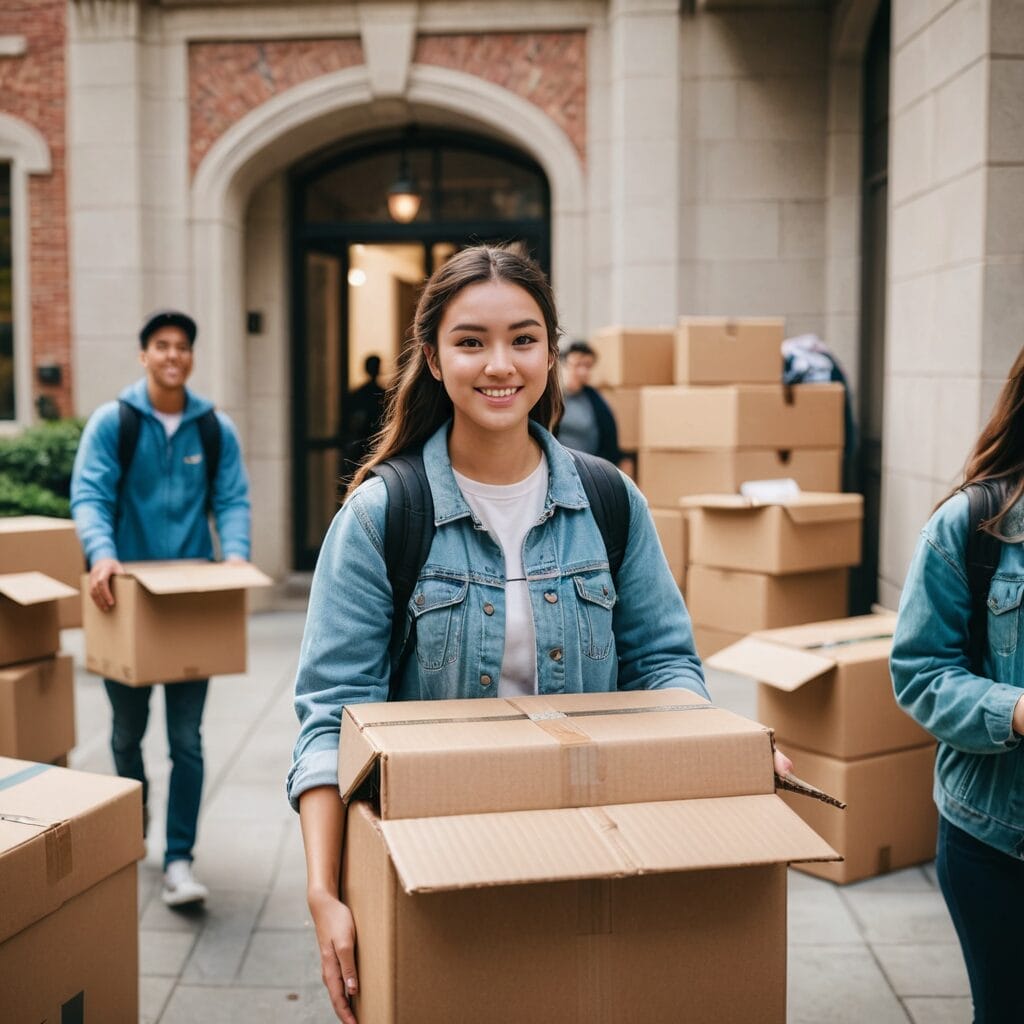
(317,768)
(999,704)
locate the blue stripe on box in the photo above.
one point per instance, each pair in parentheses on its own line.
(23,776)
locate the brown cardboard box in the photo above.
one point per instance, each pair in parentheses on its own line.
(37,709)
(29,618)
(825,686)
(633,355)
(747,601)
(505,833)
(710,639)
(890,821)
(807,532)
(69,927)
(625,406)
(50,546)
(717,350)
(671,526)
(173,621)
(666,476)
(742,416)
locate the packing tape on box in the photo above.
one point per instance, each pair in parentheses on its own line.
(56,834)
(17,778)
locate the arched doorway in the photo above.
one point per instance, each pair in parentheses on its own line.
(356,274)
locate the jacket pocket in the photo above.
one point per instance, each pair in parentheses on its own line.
(595,599)
(1004,600)
(439,611)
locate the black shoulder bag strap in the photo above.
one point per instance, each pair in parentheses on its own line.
(609,503)
(210,436)
(408,534)
(981,558)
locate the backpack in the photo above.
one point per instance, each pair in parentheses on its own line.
(129,423)
(981,558)
(409,528)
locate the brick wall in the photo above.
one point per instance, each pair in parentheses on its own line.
(32,88)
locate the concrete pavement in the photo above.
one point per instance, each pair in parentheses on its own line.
(882,951)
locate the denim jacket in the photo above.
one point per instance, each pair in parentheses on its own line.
(979,771)
(592,634)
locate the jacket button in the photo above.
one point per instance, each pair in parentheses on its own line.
(485,680)
(556,654)
(488,610)
(421,600)
(551,597)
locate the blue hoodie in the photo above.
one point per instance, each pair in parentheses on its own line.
(162,513)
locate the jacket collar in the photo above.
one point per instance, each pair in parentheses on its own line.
(564,487)
(137,395)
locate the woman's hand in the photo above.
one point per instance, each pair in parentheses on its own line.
(783,765)
(336,939)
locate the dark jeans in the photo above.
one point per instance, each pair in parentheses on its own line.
(984,890)
(184,705)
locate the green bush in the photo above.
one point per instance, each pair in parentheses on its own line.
(35,469)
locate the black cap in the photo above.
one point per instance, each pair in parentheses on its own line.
(168,318)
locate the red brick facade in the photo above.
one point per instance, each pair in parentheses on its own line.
(547,68)
(227,80)
(32,89)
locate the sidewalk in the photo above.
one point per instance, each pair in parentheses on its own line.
(882,951)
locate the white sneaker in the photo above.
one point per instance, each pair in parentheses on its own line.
(180,887)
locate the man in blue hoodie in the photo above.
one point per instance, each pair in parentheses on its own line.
(152,500)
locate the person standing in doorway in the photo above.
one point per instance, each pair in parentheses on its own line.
(151,470)
(588,423)
(365,411)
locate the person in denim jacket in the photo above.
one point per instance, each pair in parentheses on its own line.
(978,719)
(515,595)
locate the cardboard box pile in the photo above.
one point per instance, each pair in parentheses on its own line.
(760,565)
(69,929)
(50,546)
(37,701)
(825,690)
(172,621)
(546,845)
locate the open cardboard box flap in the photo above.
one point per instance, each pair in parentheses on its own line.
(192,577)
(805,507)
(522,847)
(786,668)
(27,588)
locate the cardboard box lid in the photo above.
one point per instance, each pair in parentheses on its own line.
(569,750)
(193,577)
(789,658)
(22,524)
(806,507)
(522,847)
(27,588)
(61,832)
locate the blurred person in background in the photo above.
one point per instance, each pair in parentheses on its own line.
(587,424)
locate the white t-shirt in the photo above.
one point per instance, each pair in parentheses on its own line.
(509,511)
(170,420)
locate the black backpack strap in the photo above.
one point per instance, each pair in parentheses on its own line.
(408,534)
(609,502)
(210,436)
(129,423)
(985,499)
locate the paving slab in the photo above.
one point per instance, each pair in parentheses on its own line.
(924,970)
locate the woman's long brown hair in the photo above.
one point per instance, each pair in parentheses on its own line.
(417,404)
(998,454)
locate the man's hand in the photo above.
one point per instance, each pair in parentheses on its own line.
(235,559)
(99,582)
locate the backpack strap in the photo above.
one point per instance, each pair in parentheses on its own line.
(609,503)
(210,436)
(985,499)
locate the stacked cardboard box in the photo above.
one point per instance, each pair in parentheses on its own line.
(50,546)
(37,703)
(497,835)
(68,928)
(825,690)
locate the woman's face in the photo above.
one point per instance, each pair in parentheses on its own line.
(492,356)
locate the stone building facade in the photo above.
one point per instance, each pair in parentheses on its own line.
(854,167)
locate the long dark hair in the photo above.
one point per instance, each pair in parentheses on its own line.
(417,404)
(998,454)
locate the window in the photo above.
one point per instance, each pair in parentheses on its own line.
(7,410)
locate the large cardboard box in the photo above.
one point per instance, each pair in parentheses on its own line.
(718,350)
(710,639)
(50,546)
(172,621)
(742,416)
(671,526)
(748,601)
(625,406)
(37,709)
(825,686)
(633,355)
(556,839)
(807,532)
(29,617)
(666,476)
(890,821)
(69,927)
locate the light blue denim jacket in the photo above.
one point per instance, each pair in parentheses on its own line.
(592,635)
(979,771)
